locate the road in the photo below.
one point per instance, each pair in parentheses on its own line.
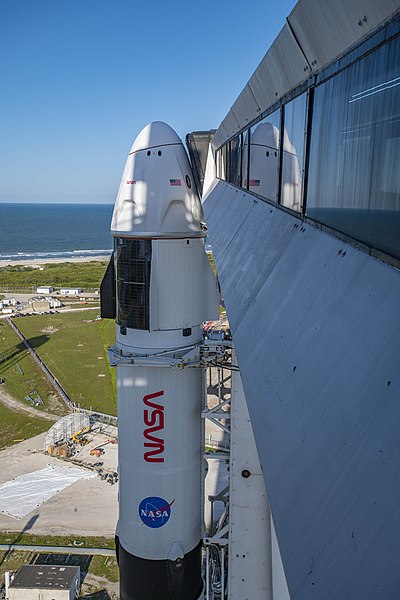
(18,407)
(58,549)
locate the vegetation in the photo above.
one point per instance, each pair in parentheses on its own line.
(28,539)
(80,274)
(17,427)
(74,347)
(22,376)
(212,262)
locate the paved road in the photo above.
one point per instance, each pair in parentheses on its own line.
(58,549)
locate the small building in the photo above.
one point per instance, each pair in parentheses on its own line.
(44,289)
(45,582)
(70,291)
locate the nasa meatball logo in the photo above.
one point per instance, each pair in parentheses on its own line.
(154,511)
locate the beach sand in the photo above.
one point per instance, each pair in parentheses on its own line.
(36,263)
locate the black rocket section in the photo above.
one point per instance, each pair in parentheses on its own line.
(160,579)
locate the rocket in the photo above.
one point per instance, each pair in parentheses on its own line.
(163,289)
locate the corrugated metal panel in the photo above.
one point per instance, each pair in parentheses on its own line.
(230,124)
(283,68)
(245,108)
(325,29)
(316,328)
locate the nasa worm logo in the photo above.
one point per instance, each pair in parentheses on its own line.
(154,511)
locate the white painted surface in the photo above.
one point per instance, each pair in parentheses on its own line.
(250,557)
(23,494)
(316,327)
(157,194)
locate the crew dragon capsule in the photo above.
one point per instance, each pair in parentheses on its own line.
(164,290)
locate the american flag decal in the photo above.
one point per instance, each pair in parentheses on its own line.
(174,182)
(254,182)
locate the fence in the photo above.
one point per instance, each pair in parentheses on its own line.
(103,418)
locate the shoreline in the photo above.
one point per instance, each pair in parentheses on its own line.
(39,262)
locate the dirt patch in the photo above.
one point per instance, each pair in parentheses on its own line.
(16,406)
(93,585)
(49,330)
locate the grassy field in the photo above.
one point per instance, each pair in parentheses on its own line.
(84,275)
(16,427)
(28,539)
(74,347)
(22,376)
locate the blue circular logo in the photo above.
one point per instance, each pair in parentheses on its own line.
(154,511)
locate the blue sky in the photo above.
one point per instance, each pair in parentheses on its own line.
(81,78)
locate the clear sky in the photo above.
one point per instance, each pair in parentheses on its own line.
(80,78)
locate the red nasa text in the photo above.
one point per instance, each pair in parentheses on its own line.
(153,418)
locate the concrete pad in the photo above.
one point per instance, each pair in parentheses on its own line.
(85,508)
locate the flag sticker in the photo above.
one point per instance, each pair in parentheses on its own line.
(254,182)
(175,182)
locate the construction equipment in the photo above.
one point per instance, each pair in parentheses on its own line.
(99,450)
(80,438)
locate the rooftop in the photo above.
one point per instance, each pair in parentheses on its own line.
(45,576)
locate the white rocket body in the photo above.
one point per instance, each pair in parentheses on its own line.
(165,289)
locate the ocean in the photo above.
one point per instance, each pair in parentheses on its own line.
(41,231)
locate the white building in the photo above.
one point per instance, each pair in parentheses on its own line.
(45,582)
(70,291)
(44,289)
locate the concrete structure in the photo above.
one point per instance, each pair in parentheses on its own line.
(45,582)
(44,289)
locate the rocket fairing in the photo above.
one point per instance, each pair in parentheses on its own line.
(164,290)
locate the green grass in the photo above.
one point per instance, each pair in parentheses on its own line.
(85,275)
(76,353)
(16,427)
(21,373)
(104,566)
(28,539)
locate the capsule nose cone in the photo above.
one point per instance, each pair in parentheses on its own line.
(154,134)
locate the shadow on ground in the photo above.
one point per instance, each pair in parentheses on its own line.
(18,538)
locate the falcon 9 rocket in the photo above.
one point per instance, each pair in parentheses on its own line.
(164,290)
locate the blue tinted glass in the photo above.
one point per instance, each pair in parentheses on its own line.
(354,176)
(293,151)
(264,157)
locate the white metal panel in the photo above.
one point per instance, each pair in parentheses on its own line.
(326,29)
(283,68)
(168,469)
(246,108)
(250,552)
(177,284)
(318,344)
(231,124)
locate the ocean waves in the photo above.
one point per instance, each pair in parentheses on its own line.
(31,256)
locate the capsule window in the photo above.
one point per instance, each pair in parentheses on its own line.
(148,152)
(159,153)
